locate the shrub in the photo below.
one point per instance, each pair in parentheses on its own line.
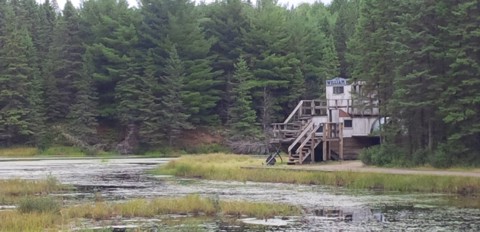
(375,155)
(366,154)
(383,155)
(420,157)
(442,157)
(39,205)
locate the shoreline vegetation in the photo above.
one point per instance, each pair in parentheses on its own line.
(76,152)
(229,167)
(37,210)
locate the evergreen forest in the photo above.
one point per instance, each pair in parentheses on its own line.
(115,76)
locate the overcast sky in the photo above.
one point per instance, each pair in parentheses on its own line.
(61,3)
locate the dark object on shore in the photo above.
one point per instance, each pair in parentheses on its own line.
(271,159)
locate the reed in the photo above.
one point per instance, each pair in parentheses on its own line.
(30,222)
(258,210)
(17,188)
(39,205)
(192,205)
(18,152)
(229,167)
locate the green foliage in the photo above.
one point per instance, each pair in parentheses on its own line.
(242,116)
(107,65)
(422,70)
(17,111)
(39,205)
(175,120)
(383,155)
(441,158)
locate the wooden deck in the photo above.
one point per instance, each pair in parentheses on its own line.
(303,135)
(308,134)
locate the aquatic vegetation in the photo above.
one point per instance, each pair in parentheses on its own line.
(258,210)
(38,205)
(18,152)
(13,189)
(229,167)
(28,222)
(190,205)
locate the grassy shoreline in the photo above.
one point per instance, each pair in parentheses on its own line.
(38,210)
(229,167)
(193,205)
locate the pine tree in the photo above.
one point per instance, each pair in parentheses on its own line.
(109,31)
(227,25)
(66,66)
(16,79)
(318,60)
(175,118)
(272,63)
(346,19)
(414,99)
(45,32)
(372,53)
(202,91)
(460,102)
(243,118)
(82,121)
(151,131)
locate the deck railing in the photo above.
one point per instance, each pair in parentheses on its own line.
(296,122)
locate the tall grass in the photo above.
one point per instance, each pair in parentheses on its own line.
(55,151)
(229,167)
(13,190)
(191,205)
(18,152)
(12,221)
(19,187)
(39,205)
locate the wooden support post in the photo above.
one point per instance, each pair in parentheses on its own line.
(300,157)
(329,150)
(325,141)
(340,143)
(312,148)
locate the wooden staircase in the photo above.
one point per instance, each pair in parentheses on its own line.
(303,135)
(303,147)
(288,130)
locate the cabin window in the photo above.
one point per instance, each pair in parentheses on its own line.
(348,123)
(337,89)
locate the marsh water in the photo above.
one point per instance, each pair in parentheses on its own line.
(325,208)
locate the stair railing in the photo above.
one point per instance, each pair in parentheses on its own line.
(305,130)
(310,136)
(296,111)
(302,108)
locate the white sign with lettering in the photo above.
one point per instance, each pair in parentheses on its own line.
(337,82)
